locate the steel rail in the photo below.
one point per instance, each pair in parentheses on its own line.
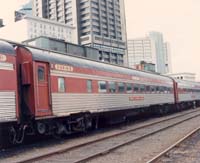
(60,151)
(160,155)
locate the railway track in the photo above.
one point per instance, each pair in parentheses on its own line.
(91,149)
(163,153)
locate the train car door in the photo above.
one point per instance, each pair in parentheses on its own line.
(42,89)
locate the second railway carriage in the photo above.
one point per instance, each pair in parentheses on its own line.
(188,92)
(58,86)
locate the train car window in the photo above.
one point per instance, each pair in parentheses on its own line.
(41,75)
(162,89)
(61,84)
(153,89)
(136,88)
(89,86)
(147,87)
(121,87)
(157,89)
(142,88)
(166,90)
(112,87)
(129,88)
(102,86)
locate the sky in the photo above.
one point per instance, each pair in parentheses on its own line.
(178,20)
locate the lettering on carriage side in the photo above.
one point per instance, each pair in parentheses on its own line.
(136,98)
(3,58)
(64,67)
(135,78)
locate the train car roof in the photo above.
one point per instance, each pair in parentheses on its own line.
(186,83)
(54,57)
(45,55)
(6,48)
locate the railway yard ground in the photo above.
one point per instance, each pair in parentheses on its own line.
(186,151)
(143,141)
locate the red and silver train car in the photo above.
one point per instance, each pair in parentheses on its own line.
(187,91)
(9,107)
(50,93)
(8,83)
(55,85)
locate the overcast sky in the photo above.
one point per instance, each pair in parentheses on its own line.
(178,20)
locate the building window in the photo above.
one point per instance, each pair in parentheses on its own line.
(102,86)
(41,73)
(89,86)
(112,87)
(61,84)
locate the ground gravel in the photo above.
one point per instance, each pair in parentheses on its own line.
(186,152)
(147,148)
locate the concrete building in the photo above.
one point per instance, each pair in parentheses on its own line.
(30,27)
(144,66)
(150,49)
(100,24)
(160,54)
(141,49)
(64,47)
(25,9)
(167,55)
(63,11)
(183,76)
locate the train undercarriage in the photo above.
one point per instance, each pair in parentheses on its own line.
(14,133)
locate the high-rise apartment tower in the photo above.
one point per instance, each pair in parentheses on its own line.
(150,49)
(100,24)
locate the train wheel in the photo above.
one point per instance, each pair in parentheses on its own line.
(5,140)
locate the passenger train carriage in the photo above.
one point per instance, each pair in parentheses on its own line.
(46,92)
(188,90)
(8,84)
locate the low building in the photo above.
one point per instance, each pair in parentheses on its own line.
(64,47)
(31,27)
(144,66)
(183,76)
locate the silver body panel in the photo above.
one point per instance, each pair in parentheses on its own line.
(189,97)
(7,106)
(67,103)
